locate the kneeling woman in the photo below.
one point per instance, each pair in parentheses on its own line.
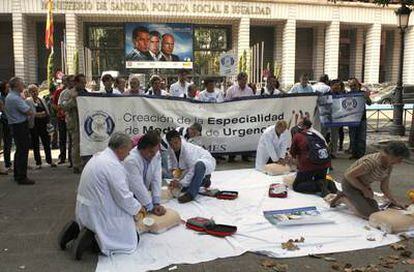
(357,193)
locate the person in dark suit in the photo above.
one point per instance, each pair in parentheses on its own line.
(141,40)
(167,48)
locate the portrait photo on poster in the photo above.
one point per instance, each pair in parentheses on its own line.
(166,46)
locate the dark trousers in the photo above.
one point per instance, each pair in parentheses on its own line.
(7,145)
(20,134)
(40,131)
(341,137)
(358,139)
(307,182)
(63,135)
(70,148)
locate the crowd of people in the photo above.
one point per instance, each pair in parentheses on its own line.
(125,179)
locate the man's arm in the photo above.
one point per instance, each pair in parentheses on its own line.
(156,181)
(353,177)
(136,184)
(267,141)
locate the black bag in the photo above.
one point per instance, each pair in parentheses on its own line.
(318,150)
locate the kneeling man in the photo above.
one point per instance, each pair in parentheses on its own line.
(197,163)
(143,166)
(104,205)
(273,144)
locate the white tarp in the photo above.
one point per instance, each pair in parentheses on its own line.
(228,127)
(180,245)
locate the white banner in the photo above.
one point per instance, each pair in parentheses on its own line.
(228,127)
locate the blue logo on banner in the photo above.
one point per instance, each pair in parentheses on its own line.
(349,104)
(99,126)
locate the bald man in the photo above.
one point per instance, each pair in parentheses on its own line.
(167,48)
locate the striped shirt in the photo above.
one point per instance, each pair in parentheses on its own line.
(374,170)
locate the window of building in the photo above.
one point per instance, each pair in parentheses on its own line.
(106,43)
(209,43)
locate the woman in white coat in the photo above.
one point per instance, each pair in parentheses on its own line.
(143,167)
(273,144)
(105,207)
(197,163)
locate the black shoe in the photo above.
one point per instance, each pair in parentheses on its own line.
(332,187)
(185,198)
(61,162)
(323,185)
(83,242)
(69,232)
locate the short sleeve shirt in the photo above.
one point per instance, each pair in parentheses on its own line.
(374,170)
(16,108)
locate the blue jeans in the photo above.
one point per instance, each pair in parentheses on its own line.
(164,165)
(198,179)
(358,139)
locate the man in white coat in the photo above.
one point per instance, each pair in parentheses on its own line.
(273,144)
(143,167)
(196,162)
(105,207)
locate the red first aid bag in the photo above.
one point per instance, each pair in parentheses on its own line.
(279,190)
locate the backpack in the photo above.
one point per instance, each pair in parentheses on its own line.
(318,150)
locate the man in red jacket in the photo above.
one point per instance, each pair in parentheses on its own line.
(311,176)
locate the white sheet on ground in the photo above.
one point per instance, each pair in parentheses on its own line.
(255,233)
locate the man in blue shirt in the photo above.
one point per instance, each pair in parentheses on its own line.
(303,86)
(18,112)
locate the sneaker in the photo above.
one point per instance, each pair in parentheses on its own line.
(37,167)
(83,242)
(185,198)
(26,181)
(207,181)
(69,232)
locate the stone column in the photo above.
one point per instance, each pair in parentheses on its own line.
(318,51)
(288,53)
(74,42)
(408,77)
(372,53)
(357,51)
(332,49)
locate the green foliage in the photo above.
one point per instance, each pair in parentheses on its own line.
(50,69)
(76,62)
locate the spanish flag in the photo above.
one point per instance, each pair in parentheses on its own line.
(49,25)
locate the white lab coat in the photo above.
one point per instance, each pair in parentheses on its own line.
(146,189)
(271,146)
(190,154)
(106,206)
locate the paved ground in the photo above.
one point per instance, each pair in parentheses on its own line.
(31,217)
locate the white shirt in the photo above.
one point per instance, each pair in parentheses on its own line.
(141,182)
(271,146)
(190,154)
(179,90)
(235,91)
(298,88)
(128,92)
(321,87)
(151,92)
(268,92)
(106,206)
(214,97)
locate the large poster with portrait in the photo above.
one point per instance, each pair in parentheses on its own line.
(159,46)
